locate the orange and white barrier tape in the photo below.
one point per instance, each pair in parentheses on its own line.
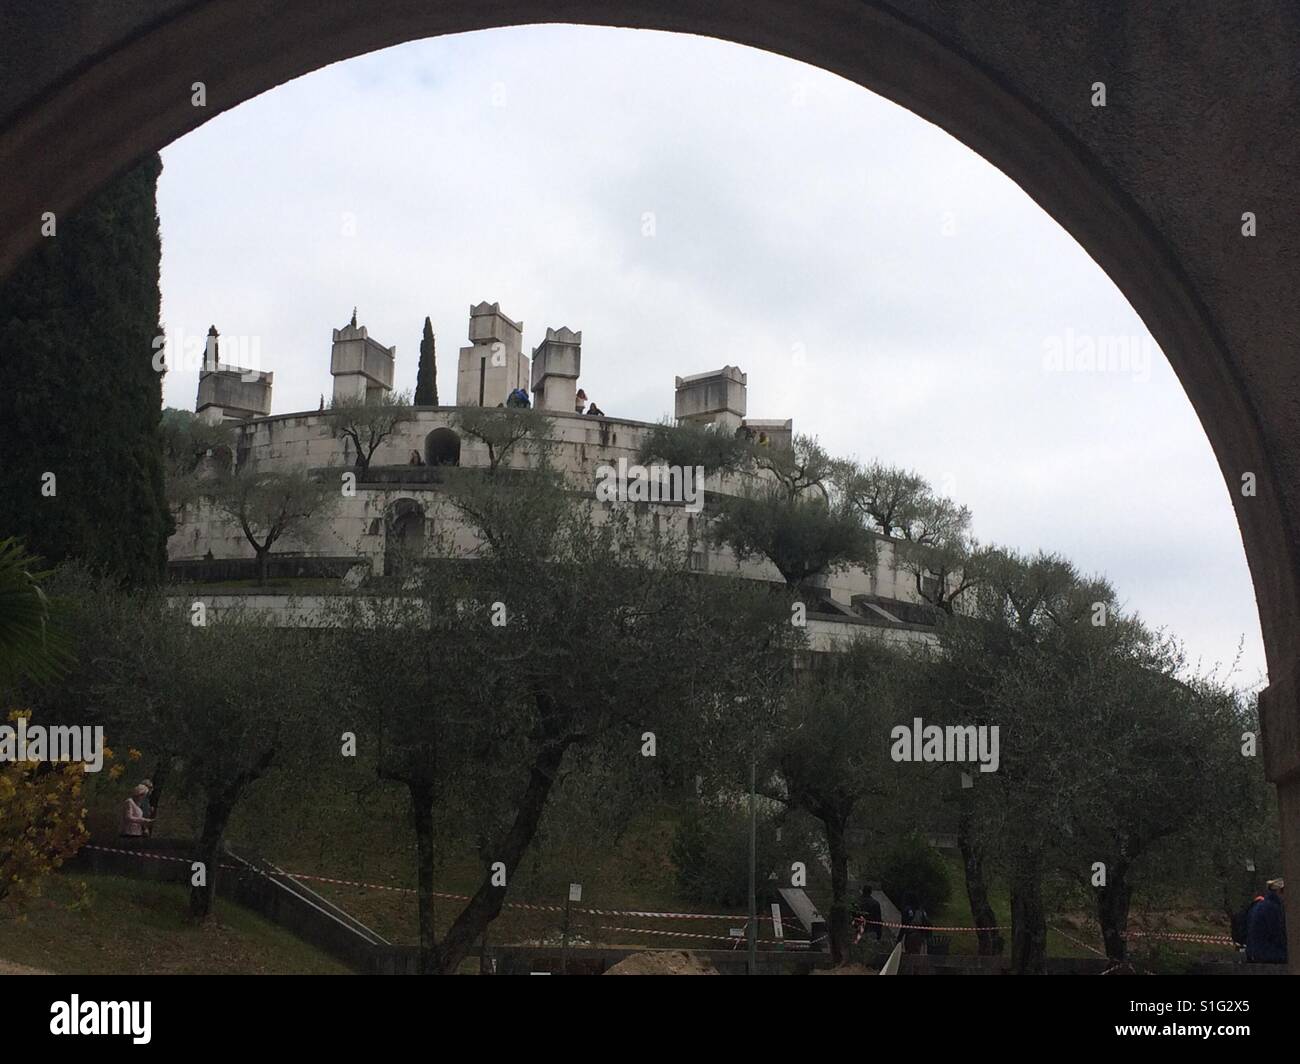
(528,906)
(647,914)
(1184,936)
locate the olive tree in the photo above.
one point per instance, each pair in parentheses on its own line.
(573,642)
(505,430)
(272,505)
(367,421)
(829,755)
(227,698)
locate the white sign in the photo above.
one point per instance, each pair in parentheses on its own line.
(776,920)
(575,892)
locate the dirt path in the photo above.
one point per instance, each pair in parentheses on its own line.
(8,968)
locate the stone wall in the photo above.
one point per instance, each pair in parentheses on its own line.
(580,445)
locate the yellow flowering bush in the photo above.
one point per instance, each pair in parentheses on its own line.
(42,821)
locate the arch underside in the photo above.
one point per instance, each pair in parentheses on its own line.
(1200,126)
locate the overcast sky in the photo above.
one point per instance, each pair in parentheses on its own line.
(688,204)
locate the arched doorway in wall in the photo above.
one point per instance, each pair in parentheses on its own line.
(442,448)
(941,69)
(405,535)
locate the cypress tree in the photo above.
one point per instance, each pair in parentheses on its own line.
(79,396)
(426,377)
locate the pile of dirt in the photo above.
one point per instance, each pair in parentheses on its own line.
(662,962)
(846,969)
(9,968)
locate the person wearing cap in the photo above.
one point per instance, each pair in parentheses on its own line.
(1266,927)
(134,821)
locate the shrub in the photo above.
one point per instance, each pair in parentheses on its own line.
(714,447)
(711,853)
(912,868)
(40,820)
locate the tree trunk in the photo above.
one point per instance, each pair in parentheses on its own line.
(839,923)
(422,814)
(1112,910)
(989,941)
(262,555)
(216,815)
(485,905)
(1028,921)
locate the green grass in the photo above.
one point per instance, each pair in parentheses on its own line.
(122,926)
(635,873)
(1080,927)
(369,840)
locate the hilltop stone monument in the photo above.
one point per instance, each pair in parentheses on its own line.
(712,398)
(230,393)
(362,367)
(493,365)
(557,361)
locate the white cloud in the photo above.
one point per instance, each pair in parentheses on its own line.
(791,208)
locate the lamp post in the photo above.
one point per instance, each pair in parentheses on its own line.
(752,926)
(753,862)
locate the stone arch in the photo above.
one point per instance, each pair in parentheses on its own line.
(1151,186)
(405,534)
(77,107)
(442,447)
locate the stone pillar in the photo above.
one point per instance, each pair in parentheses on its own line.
(709,398)
(493,365)
(556,365)
(1279,718)
(776,433)
(228,393)
(362,368)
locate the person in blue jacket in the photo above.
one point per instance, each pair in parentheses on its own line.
(1266,927)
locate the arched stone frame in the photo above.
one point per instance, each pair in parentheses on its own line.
(1152,187)
(405,533)
(442,447)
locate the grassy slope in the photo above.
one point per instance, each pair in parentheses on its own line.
(372,842)
(636,873)
(1079,926)
(130,927)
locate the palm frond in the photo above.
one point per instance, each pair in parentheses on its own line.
(29,648)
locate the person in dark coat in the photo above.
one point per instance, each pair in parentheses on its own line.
(913,934)
(869,910)
(1266,927)
(145,802)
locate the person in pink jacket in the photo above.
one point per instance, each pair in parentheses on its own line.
(133,820)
